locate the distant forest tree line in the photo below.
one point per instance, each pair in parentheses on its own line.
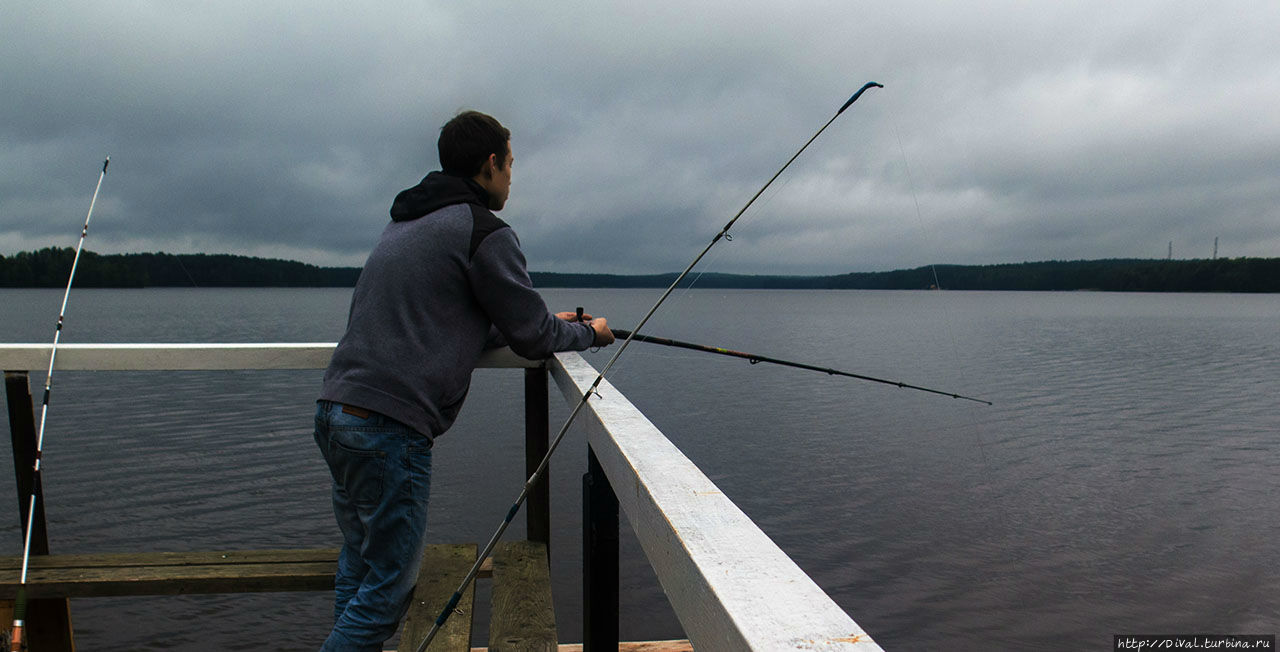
(49,268)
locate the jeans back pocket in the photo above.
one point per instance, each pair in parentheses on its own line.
(358,472)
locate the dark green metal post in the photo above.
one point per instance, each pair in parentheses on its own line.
(599,559)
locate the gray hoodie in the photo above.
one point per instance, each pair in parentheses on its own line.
(445,274)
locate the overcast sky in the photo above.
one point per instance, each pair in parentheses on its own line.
(1006,131)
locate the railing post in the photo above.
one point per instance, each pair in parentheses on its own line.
(599,559)
(537,434)
(48,620)
(22,428)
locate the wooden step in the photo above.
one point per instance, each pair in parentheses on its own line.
(171,573)
(625,646)
(524,618)
(443,569)
(175,573)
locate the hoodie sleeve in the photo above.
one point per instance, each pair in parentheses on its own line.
(500,282)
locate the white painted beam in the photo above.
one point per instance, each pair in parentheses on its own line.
(730,585)
(205,357)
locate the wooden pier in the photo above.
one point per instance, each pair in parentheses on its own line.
(730,586)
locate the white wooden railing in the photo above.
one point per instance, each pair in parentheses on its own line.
(196,357)
(730,586)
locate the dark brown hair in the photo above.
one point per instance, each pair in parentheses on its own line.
(468,139)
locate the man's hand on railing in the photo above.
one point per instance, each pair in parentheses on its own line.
(604,335)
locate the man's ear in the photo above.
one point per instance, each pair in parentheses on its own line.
(490,166)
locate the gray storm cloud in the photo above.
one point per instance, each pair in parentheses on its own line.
(1006,131)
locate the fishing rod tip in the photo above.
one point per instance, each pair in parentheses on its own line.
(855,97)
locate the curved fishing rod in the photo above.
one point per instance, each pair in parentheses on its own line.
(551,449)
(20,603)
(755,359)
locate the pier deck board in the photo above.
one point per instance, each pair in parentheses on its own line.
(524,618)
(178,573)
(171,573)
(443,568)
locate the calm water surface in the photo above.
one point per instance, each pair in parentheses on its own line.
(1124,482)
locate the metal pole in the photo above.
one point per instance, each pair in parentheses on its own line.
(537,436)
(22,428)
(599,559)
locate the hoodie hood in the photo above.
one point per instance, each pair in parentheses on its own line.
(435,191)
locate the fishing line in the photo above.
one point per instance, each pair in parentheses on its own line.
(683,295)
(586,396)
(178,257)
(946,314)
(719,255)
(747,219)
(20,603)
(766,199)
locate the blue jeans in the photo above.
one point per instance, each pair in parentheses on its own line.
(381,472)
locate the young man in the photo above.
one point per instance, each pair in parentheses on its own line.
(446,280)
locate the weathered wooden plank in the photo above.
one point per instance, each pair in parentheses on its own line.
(523,616)
(171,573)
(625,646)
(443,569)
(201,558)
(633,646)
(191,558)
(242,578)
(731,586)
(214,357)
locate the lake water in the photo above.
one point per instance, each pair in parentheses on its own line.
(1125,481)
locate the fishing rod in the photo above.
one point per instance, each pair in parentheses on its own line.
(20,603)
(755,359)
(551,449)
